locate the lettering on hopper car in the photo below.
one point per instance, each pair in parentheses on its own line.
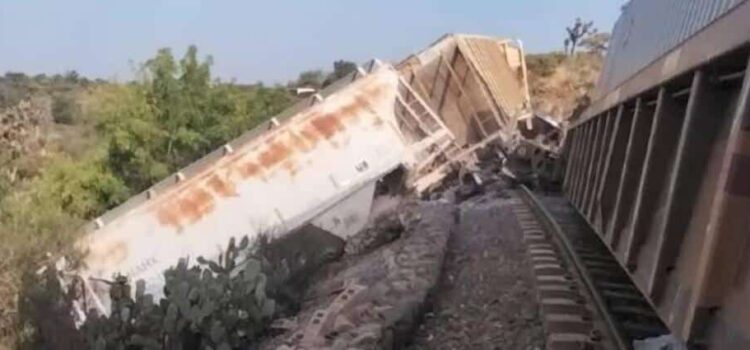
(142,266)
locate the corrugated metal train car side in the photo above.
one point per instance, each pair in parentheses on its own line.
(660,163)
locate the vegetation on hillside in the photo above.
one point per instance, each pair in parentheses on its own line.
(225,304)
(318,79)
(91,145)
(561,83)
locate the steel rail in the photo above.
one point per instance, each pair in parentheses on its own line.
(614,333)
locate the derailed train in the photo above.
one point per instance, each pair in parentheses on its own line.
(659,164)
(319,162)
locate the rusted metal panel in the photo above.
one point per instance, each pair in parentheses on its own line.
(571,154)
(634,160)
(613,169)
(679,218)
(499,65)
(606,140)
(586,149)
(702,122)
(578,159)
(659,159)
(591,139)
(597,134)
(721,275)
(473,81)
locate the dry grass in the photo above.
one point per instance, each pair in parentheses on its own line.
(9,288)
(559,83)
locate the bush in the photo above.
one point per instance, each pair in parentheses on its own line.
(64,109)
(40,220)
(214,305)
(144,130)
(175,115)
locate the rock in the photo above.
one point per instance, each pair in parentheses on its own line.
(385,229)
(387,289)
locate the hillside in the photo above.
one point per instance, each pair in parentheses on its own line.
(559,82)
(71,148)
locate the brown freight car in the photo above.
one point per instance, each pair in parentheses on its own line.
(659,164)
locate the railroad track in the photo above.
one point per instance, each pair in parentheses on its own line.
(587,300)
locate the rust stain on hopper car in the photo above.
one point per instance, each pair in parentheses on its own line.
(299,142)
(250,169)
(196,204)
(364,104)
(327,125)
(275,154)
(196,198)
(222,187)
(309,135)
(190,206)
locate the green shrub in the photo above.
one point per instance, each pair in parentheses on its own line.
(142,131)
(64,109)
(219,304)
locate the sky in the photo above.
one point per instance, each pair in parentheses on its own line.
(270,41)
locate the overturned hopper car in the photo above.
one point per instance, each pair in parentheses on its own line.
(478,86)
(317,163)
(659,164)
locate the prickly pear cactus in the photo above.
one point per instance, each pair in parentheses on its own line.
(217,305)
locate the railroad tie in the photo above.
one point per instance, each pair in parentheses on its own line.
(567,318)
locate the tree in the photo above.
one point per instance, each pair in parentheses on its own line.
(173,114)
(82,189)
(176,115)
(57,79)
(311,78)
(72,77)
(64,108)
(341,68)
(40,78)
(596,42)
(16,77)
(575,33)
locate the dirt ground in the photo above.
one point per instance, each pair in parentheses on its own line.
(486,297)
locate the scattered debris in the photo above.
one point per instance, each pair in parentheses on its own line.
(373,300)
(487,296)
(385,229)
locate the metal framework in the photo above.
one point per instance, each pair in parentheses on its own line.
(660,168)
